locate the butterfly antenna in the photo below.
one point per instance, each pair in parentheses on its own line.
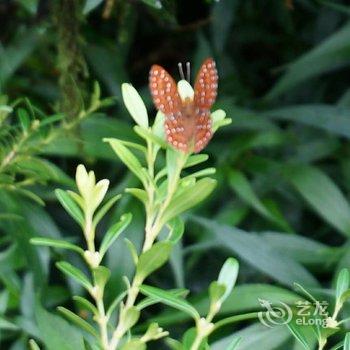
(181,71)
(188,71)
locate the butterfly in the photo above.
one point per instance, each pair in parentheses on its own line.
(188,124)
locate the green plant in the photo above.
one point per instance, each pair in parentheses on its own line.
(166,193)
(324,323)
(25,131)
(280,204)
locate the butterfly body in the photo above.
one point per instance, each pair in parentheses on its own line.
(188,125)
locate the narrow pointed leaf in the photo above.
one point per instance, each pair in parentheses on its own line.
(86,304)
(71,316)
(330,203)
(127,157)
(153,259)
(114,232)
(134,104)
(102,212)
(347,342)
(189,198)
(56,243)
(70,205)
(74,273)
(228,276)
(342,283)
(170,300)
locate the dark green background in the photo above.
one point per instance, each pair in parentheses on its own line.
(283,170)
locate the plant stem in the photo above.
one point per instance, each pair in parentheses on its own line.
(98,293)
(152,234)
(102,321)
(197,342)
(153,226)
(13,153)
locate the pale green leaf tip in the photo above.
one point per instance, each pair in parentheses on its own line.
(185,90)
(135,105)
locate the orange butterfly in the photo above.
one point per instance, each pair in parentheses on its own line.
(188,124)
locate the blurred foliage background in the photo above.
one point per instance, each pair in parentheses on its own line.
(283,165)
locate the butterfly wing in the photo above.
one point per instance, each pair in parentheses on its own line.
(205,91)
(206,85)
(203,129)
(167,99)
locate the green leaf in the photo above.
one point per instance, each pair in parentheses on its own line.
(342,283)
(244,299)
(177,229)
(173,344)
(33,345)
(329,203)
(134,104)
(102,212)
(347,342)
(51,119)
(127,157)
(158,125)
(173,162)
(333,119)
(228,276)
(134,145)
(300,248)
(138,193)
(56,333)
(234,344)
(245,191)
(258,253)
(170,300)
(332,53)
(86,304)
(150,136)
(30,195)
(56,243)
(130,317)
(219,119)
(152,259)
(188,339)
(16,53)
(71,206)
(75,273)
(221,30)
(114,232)
(78,321)
(345,296)
(296,331)
(216,291)
(24,119)
(117,300)
(195,159)
(134,344)
(91,5)
(146,302)
(101,276)
(189,198)
(153,3)
(201,173)
(257,336)
(6,325)
(132,250)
